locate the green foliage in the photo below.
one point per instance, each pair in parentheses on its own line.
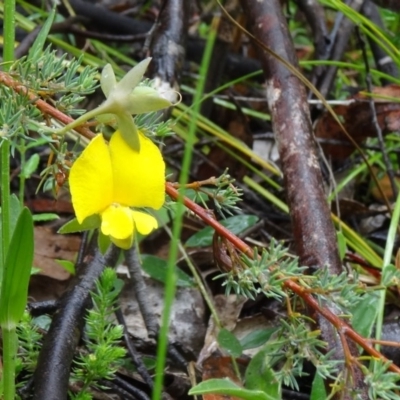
(74,226)
(104,353)
(257,338)
(236,224)
(382,384)
(157,269)
(318,390)
(227,387)
(261,376)
(265,274)
(29,342)
(16,114)
(291,344)
(49,74)
(30,166)
(228,341)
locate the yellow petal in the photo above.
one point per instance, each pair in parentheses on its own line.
(144,223)
(91,180)
(117,222)
(139,177)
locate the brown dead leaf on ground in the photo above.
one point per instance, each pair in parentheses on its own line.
(357,119)
(217,366)
(49,247)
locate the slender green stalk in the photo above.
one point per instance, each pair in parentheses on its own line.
(10,347)
(386,262)
(9,335)
(22,152)
(9,33)
(5,201)
(170,284)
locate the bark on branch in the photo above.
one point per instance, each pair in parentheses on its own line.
(313,231)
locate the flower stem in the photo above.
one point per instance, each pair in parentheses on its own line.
(101,109)
(5,202)
(10,347)
(8,33)
(9,335)
(170,283)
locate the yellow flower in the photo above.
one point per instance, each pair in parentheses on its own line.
(109,179)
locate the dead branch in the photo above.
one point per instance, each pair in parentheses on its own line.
(313,230)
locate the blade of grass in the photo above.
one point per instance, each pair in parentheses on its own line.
(208,126)
(177,227)
(386,262)
(9,33)
(368,27)
(14,295)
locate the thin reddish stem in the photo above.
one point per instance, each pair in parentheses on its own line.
(339,324)
(207,218)
(44,107)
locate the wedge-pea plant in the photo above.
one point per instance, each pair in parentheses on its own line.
(101,354)
(104,354)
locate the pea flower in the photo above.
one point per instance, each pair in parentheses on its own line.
(124,99)
(107,180)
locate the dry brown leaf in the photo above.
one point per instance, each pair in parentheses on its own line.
(49,247)
(357,119)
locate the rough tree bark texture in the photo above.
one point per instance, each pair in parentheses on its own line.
(168,47)
(313,231)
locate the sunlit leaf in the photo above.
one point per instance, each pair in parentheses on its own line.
(69,266)
(229,342)
(30,166)
(227,387)
(257,338)
(318,390)
(45,217)
(74,226)
(260,376)
(157,269)
(41,38)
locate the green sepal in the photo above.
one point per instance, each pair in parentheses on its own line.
(38,45)
(103,242)
(145,99)
(73,226)
(129,131)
